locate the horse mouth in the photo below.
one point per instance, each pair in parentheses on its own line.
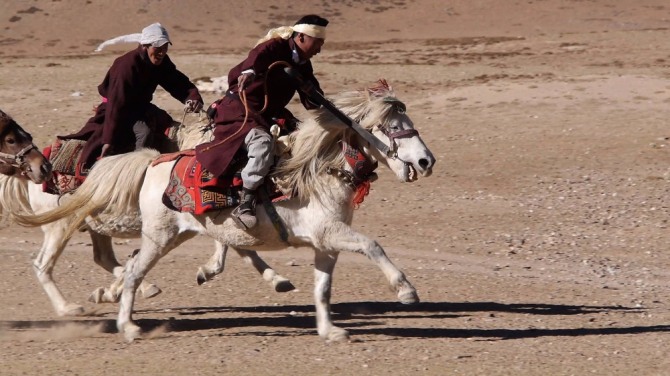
(412,175)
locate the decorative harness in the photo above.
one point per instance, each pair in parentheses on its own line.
(362,167)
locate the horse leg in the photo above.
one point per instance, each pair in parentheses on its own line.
(103,255)
(52,248)
(279,282)
(136,269)
(342,237)
(214,265)
(324,264)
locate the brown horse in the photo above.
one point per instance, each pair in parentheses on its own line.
(18,155)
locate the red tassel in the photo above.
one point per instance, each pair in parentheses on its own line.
(361,191)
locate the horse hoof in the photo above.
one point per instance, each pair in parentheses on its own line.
(283,285)
(96,296)
(72,309)
(337,334)
(408,297)
(151,291)
(201,277)
(131,333)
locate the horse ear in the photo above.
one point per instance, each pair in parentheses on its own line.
(381,89)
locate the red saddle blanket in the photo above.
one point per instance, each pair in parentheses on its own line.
(195,190)
(63,155)
(68,174)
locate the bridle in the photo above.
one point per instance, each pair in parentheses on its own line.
(17,160)
(392,136)
(361,166)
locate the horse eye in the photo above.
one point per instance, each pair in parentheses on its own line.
(400,109)
(10,141)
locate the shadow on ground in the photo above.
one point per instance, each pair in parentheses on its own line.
(360,318)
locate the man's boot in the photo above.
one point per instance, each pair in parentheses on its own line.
(244,214)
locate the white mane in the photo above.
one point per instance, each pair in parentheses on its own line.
(315,146)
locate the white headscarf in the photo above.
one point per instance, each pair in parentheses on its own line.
(154,34)
(285,32)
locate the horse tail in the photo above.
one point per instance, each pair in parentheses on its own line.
(14,196)
(112,187)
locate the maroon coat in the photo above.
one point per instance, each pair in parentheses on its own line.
(216,155)
(127,91)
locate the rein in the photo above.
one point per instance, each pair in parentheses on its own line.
(362,173)
(243,99)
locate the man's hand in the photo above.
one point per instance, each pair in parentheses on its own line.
(244,80)
(105,150)
(193,105)
(307,87)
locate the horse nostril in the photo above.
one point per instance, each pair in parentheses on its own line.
(46,169)
(425,163)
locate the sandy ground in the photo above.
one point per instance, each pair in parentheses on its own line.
(538,246)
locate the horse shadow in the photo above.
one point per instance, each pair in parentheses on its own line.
(361,318)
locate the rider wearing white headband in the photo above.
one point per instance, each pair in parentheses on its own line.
(314,31)
(259,74)
(285,32)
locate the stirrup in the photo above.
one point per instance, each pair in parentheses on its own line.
(244,218)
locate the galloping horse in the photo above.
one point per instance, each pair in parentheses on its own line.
(17,195)
(328,166)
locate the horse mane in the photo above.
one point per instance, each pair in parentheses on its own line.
(13,196)
(314,147)
(188,136)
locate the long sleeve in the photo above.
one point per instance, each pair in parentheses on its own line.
(178,84)
(308,74)
(121,79)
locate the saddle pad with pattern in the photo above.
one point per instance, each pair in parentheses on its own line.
(63,155)
(195,190)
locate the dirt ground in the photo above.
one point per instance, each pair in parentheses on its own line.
(539,246)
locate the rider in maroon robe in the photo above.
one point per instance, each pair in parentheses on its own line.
(261,74)
(126,119)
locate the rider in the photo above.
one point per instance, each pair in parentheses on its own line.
(126,119)
(259,92)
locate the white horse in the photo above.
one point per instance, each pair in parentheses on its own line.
(18,195)
(319,215)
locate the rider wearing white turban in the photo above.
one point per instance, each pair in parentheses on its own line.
(285,32)
(261,74)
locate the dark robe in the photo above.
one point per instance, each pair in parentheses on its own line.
(127,91)
(216,155)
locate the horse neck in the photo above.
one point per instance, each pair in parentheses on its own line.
(315,151)
(189,136)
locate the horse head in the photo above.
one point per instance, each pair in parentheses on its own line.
(18,155)
(385,116)
(323,144)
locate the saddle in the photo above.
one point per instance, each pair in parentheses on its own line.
(68,173)
(63,155)
(193,189)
